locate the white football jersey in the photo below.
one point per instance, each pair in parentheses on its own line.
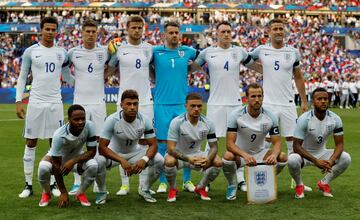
(315,132)
(278,66)
(251,132)
(124,136)
(134,61)
(67,145)
(46,65)
(89,74)
(188,137)
(224,71)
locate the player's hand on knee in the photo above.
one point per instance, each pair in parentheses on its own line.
(20,112)
(139,166)
(193,160)
(63,200)
(250,160)
(127,168)
(271,160)
(67,167)
(324,165)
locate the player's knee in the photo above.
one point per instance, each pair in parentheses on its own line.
(92,167)
(101,161)
(294,161)
(217,162)
(345,159)
(44,169)
(228,155)
(282,158)
(159,161)
(170,161)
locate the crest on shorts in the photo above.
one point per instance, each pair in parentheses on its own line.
(59,56)
(287,56)
(234,56)
(181,53)
(260,178)
(100,57)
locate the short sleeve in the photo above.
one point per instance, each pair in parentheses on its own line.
(232,122)
(255,53)
(297,59)
(211,137)
(108,129)
(173,133)
(56,145)
(338,130)
(66,59)
(274,130)
(192,52)
(91,138)
(301,128)
(201,58)
(149,129)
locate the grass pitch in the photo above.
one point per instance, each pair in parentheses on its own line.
(345,204)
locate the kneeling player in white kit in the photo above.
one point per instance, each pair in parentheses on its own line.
(186,133)
(247,130)
(66,155)
(119,146)
(311,133)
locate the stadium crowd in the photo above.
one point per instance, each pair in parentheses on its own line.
(322,54)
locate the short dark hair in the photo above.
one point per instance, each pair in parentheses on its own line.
(73,108)
(172,24)
(253,86)
(193,96)
(51,20)
(318,89)
(89,23)
(275,21)
(223,23)
(129,94)
(134,18)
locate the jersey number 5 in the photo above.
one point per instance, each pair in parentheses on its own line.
(276,66)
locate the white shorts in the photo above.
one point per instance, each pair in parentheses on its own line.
(219,115)
(259,157)
(97,114)
(287,116)
(42,119)
(132,158)
(147,110)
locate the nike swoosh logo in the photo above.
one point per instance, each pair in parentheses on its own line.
(212,56)
(37,56)
(183,134)
(243,127)
(125,54)
(78,56)
(311,129)
(267,54)
(119,132)
(161,54)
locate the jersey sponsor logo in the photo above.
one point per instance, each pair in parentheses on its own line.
(181,53)
(260,178)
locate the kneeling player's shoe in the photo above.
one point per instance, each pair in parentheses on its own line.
(207,188)
(27,191)
(83,199)
(188,186)
(152,192)
(45,199)
(100,198)
(124,190)
(96,189)
(73,189)
(162,188)
(172,195)
(202,193)
(146,195)
(307,188)
(325,188)
(231,193)
(54,190)
(299,191)
(242,186)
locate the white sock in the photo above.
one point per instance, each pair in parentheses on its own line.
(240,174)
(210,175)
(44,172)
(90,172)
(294,165)
(52,180)
(229,168)
(170,173)
(77,179)
(29,160)
(289,145)
(124,178)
